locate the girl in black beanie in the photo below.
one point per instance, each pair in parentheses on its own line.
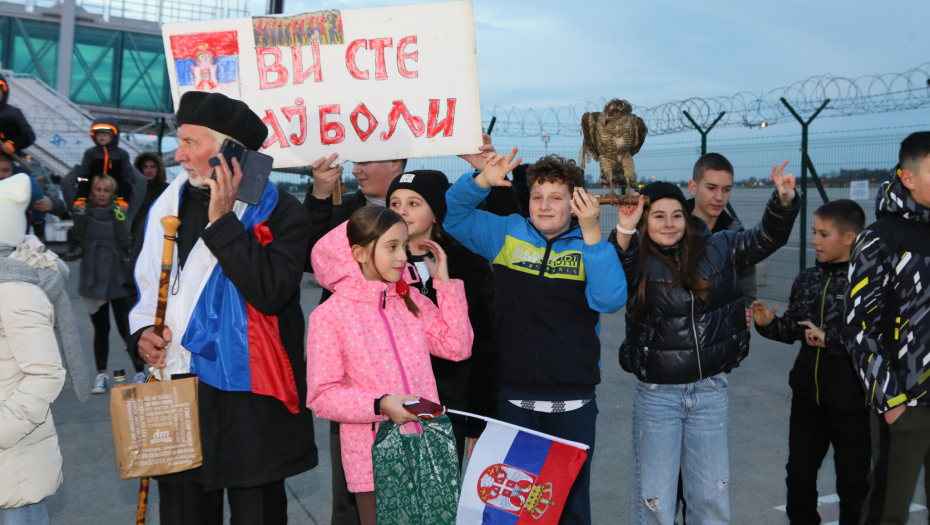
(419,197)
(685,330)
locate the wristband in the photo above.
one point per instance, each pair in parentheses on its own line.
(628,232)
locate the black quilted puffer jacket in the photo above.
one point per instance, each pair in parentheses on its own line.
(680,338)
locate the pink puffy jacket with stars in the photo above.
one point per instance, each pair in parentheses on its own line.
(363,343)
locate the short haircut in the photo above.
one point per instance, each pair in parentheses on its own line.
(711,161)
(555,169)
(914,149)
(847,215)
(110,182)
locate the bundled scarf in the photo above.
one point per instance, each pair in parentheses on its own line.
(29,263)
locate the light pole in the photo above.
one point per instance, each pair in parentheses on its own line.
(545,139)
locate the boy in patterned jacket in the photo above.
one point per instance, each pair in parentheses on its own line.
(888,335)
(828,403)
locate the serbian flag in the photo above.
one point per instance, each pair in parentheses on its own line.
(516,476)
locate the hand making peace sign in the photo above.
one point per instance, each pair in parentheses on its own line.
(784,184)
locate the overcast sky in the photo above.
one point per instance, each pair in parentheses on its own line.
(540,53)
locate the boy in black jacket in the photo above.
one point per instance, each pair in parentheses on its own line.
(104,158)
(888,335)
(828,406)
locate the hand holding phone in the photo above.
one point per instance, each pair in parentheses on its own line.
(255,167)
(424,408)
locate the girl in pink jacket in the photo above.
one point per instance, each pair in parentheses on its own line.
(369,345)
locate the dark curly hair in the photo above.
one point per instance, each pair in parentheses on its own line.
(555,169)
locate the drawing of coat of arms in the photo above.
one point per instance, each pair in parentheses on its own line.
(513,490)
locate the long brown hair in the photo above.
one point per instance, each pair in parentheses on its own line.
(366,226)
(693,248)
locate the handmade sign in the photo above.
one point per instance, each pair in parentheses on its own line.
(369,84)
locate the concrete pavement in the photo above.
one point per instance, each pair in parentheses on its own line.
(93,493)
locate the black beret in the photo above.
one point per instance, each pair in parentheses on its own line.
(224,115)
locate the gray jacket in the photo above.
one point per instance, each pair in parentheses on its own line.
(102,273)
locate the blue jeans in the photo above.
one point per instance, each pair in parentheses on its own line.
(684,427)
(34,514)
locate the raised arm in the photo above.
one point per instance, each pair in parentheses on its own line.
(753,246)
(869,287)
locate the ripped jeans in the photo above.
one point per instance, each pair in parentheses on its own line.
(687,427)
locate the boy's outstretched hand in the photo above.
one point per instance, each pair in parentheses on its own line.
(588,211)
(761,313)
(496,170)
(485,151)
(784,184)
(813,335)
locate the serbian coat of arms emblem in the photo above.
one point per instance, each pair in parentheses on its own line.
(513,490)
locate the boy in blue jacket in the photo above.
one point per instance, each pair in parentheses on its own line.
(553,277)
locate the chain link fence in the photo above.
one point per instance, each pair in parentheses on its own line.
(837,157)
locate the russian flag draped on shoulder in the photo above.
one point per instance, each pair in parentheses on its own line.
(216,333)
(516,476)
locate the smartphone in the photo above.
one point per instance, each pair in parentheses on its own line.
(424,408)
(255,166)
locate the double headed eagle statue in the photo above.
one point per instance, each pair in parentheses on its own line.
(611,138)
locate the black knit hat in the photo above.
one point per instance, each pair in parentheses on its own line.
(224,115)
(664,190)
(429,184)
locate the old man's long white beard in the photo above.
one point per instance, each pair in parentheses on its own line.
(194,177)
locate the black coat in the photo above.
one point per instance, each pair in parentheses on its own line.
(680,338)
(250,439)
(825,376)
(471,385)
(14,127)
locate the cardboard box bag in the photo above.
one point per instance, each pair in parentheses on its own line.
(156,427)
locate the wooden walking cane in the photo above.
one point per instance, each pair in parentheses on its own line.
(337,191)
(171,224)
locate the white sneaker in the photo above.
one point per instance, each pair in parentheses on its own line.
(100,384)
(139,378)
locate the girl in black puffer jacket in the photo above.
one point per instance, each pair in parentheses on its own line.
(686,328)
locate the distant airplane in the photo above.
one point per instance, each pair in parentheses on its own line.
(751,124)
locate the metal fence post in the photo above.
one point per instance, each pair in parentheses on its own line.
(704,133)
(160,130)
(805,163)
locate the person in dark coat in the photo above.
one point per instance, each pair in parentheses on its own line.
(107,158)
(152,168)
(685,331)
(15,132)
(419,196)
(235,308)
(101,284)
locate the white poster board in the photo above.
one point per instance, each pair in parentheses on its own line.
(859,190)
(369,84)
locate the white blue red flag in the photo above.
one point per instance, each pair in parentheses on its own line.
(516,476)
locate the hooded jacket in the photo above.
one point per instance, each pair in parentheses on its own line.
(363,343)
(825,376)
(681,338)
(111,160)
(14,128)
(153,188)
(885,329)
(548,294)
(747,277)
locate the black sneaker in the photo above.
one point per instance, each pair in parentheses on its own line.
(73,254)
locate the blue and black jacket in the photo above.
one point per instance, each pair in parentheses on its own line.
(548,293)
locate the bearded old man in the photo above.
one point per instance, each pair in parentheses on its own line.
(233,320)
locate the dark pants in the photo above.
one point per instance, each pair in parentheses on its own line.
(345,508)
(898,452)
(576,425)
(101,322)
(186,503)
(813,428)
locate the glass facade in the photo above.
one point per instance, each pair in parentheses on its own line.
(144,73)
(108,68)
